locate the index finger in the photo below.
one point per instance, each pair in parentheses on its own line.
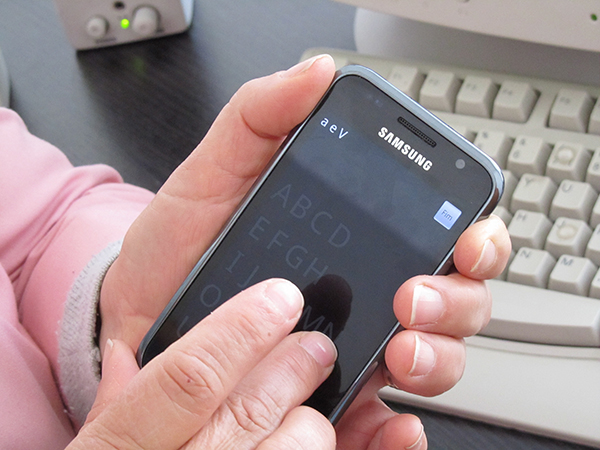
(176,393)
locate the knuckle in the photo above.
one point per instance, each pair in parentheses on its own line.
(310,430)
(192,382)
(301,372)
(98,435)
(256,413)
(252,330)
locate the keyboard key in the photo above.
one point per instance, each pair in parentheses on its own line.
(532,314)
(595,217)
(592,250)
(594,126)
(568,161)
(529,229)
(439,91)
(531,267)
(533,193)
(476,96)
(510,183)
(573,199)
(571,110)
(465,132)
(573,275)
(495,144)
(595,286)
(593,172)
(528,155)
(504,273)
(514,102)
(568,236)
(408,79)
(504,214)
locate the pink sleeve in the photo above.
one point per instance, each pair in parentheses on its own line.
(54,218)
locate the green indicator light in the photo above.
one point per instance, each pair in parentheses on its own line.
(594,17)
(125,23)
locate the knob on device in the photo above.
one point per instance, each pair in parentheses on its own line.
(145,21)
(96,27)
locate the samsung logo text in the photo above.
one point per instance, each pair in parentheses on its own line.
(405,149)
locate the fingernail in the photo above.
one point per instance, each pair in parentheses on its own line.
(427,306)
(319,347)
(301,67)
(487,257)
(108,347)
(419,442)
(286,297)
(424,358)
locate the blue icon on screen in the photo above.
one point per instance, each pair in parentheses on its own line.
(447,215)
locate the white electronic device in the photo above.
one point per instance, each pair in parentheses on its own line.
(101,23)
(4,83)
(564,23)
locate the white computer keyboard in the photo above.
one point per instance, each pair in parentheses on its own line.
(536,367)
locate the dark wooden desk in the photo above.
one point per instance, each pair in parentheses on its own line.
(143,107)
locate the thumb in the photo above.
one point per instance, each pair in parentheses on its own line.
(118,368)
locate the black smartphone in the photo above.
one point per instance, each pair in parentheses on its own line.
(370,190)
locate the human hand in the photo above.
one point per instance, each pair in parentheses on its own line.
(168,238)
(428,357)
(235,381)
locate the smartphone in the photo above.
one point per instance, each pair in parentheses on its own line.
(369,191)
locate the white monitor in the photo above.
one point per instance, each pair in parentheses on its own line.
(556,39)
(564,23)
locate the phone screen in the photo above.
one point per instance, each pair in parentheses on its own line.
(364,197)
